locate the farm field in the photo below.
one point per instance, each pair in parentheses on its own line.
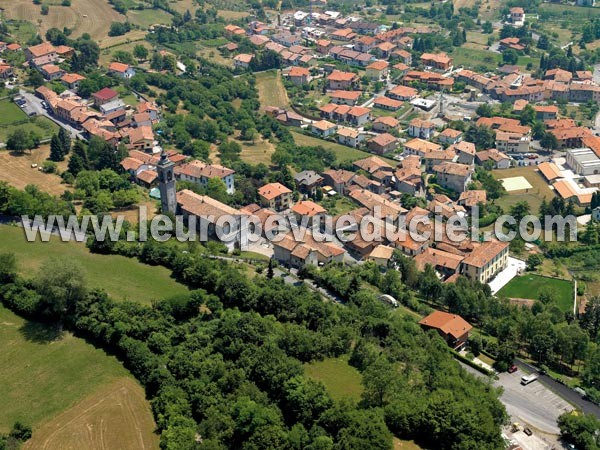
(45,377)
(342,152)
(83,16)
(259,152)
(341,379)
(271,91)
(121,277)
(17,171)
(534,197)
(530,285)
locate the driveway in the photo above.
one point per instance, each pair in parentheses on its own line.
(512,270)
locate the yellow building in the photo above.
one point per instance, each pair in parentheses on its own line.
(486,261)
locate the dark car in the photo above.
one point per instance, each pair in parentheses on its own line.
(527,431)
(513,368)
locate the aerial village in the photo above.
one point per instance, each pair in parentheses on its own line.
(363,107)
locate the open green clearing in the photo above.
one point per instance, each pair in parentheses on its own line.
(530,286)
(340,378)
(42,377)
(534,197)
(342,152)
(10,113)
(271,91)
(121,277)
(146,17)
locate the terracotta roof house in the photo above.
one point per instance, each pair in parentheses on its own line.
(486,261)
(104,96)
(440,61)
(453,328)
(323,128)
(200,173)
(72,80)
(453,176)
(387,103)
(295,253)
(298,75)
(383,143)
(121,70)
(345,97)
(450,136)
(242,61)
(341,80)
(275,196)
(384,124)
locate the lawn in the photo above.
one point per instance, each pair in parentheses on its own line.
(473,58)
(46,376)
(530,285)
(271,91)
(341,379)
(342,152)
(534,197)
(120,277)
(10,113)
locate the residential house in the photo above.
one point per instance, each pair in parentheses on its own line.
(381,255)
(404,93)
(141,138)
(341,80)
(385,124)
(549,171)
(308,181)
(387,103)
(294,253)
(517,16)
(358,115)
(72,80)
(439,61)
(546,112)
(298,75)
(420,128)
(275,196)
(453,328)
(200,173)
(51,72)
(472,198)
(465,152)
(404,56)
(41,54)
(339,179)
(242,61)
(113,106)
(495,158)
(453,176)
(570,137)
(350,136)
(323,128)
(323,46)
(150,108)
(420,147)
(103,96)
(450,136)
(120,70)
(408,177)
(383,143)
(384,50)
(377,70)
(309,213)
(512,142)
(345,97)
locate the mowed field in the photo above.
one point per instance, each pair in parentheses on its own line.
(122,278)
(530,286)
(271,91)
(83,16)
(74,396)
(16,170)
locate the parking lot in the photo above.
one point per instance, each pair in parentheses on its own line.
(534,404)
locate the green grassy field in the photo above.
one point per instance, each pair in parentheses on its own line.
(121,277)
(41,377)
(340,379)
(342,152)
(530,285)
(271,91)
(10,113)
(146,17)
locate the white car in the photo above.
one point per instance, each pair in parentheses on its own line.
(526,379)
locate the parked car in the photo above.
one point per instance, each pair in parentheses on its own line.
(526,379)
(513,368)
(527,431)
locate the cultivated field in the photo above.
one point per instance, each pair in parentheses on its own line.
(121,277)
(45,376)
(16,170)
(342,152)
(83,16)
(271,91)
(341,379)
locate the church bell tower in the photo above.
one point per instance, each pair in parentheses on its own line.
(166,179)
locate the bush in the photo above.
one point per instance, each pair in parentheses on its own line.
(45,10)
(49,167)
(66,3)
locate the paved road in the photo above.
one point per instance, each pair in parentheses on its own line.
(565,392)
(534,404)
(36,105)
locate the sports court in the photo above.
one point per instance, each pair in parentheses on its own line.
(515,184)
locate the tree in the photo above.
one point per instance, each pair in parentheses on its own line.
(20,140)
(86,56)
(79,159)
(527,115)
(510,57)
(65,140)
(270,269)
(35,79)
(533,261)
(217,189)
(56,149)
(580,430)
(487,27)
(140,52)
(8,268)
(45,10)
(485,110)
(61,283)
(549,141)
